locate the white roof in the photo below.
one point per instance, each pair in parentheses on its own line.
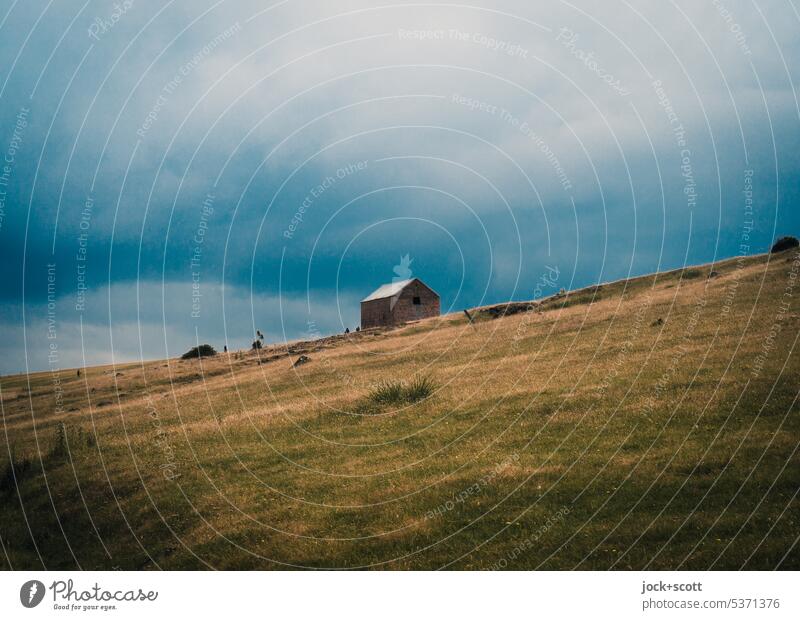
(388,290)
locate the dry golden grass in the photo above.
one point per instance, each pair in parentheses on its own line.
(643,444)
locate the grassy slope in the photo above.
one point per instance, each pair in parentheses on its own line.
(582,435)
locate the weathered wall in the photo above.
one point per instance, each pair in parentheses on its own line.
(404,309)
(381,312)
(375,313)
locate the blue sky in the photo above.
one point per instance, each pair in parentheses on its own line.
(488,142)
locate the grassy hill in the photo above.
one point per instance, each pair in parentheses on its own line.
(651,423)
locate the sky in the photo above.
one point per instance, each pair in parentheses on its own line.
(184,172)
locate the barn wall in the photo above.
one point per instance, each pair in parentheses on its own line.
(382,312)
(375,313)
(404,309)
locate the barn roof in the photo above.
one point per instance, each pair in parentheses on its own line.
(388,290)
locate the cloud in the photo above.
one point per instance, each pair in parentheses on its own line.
(151,320)
(567,132)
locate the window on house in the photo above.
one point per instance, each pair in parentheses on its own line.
(417,301)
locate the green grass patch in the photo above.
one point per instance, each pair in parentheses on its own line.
(396,392)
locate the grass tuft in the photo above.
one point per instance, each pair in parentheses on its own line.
(398,393)
(387,393)
(419,389)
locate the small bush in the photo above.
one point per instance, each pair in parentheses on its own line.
(397,393)
(204,350)
(691,274)
(784,243)
(256,345)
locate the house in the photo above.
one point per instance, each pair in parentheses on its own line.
(399,302)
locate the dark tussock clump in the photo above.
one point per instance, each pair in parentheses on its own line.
(387,393)
(397,392)
(419,389)
(784,243)
(204,350)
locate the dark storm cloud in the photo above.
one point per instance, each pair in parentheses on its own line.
(304,147)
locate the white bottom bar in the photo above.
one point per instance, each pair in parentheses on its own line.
(398,595)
